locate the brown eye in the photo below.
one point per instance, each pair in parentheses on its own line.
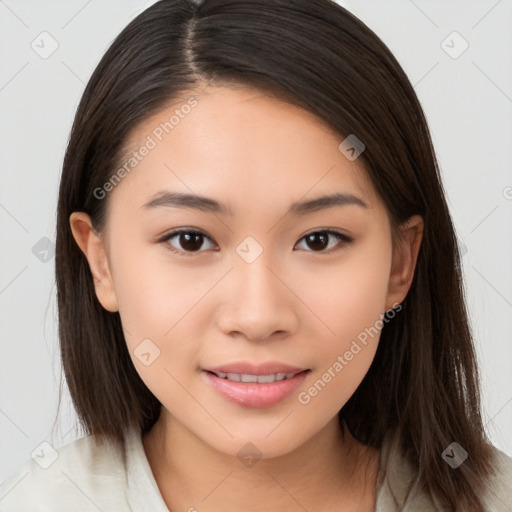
(187,241)
(318,241)
(190,241)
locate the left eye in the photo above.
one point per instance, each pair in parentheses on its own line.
(192,240)
(319,240)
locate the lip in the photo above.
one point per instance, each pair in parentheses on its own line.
(254,394)
(266,368)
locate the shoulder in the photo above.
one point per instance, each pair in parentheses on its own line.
(80,476)
(499,490)
(398,484)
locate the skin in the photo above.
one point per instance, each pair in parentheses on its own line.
(293,304)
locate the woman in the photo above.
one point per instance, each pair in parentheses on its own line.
(259,286)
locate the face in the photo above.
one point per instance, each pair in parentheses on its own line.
(250,278)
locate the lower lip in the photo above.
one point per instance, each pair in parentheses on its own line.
(253,394)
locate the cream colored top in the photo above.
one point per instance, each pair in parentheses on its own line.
(84,476)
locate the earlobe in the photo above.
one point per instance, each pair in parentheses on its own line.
(405,256)
(93,247)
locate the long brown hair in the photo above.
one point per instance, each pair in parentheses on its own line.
(423,382)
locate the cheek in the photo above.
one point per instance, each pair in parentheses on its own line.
(153,294)
(159,304)
(348,294)
(349,298)
(159,314)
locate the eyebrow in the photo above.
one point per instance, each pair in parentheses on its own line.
(209,205)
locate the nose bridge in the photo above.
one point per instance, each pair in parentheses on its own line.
(257,302)
(257,278)
(255,267)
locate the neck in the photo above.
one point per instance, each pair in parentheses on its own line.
(329,469)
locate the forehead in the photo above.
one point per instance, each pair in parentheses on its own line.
(240,145)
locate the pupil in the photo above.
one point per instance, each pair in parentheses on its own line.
(311,240)
(191,241)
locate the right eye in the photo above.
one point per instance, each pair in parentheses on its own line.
(190,240)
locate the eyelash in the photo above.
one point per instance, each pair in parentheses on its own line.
(164,240)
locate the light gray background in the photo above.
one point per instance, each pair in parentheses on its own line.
(468,103)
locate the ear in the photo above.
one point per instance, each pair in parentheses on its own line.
(93,247)
(405,255)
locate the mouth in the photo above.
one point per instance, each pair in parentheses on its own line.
(261,379)
(255,390)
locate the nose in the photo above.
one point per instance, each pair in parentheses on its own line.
(257,302)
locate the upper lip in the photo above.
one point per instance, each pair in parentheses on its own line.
(246,367)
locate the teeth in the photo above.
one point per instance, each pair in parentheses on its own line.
(267,378)
(246,377)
